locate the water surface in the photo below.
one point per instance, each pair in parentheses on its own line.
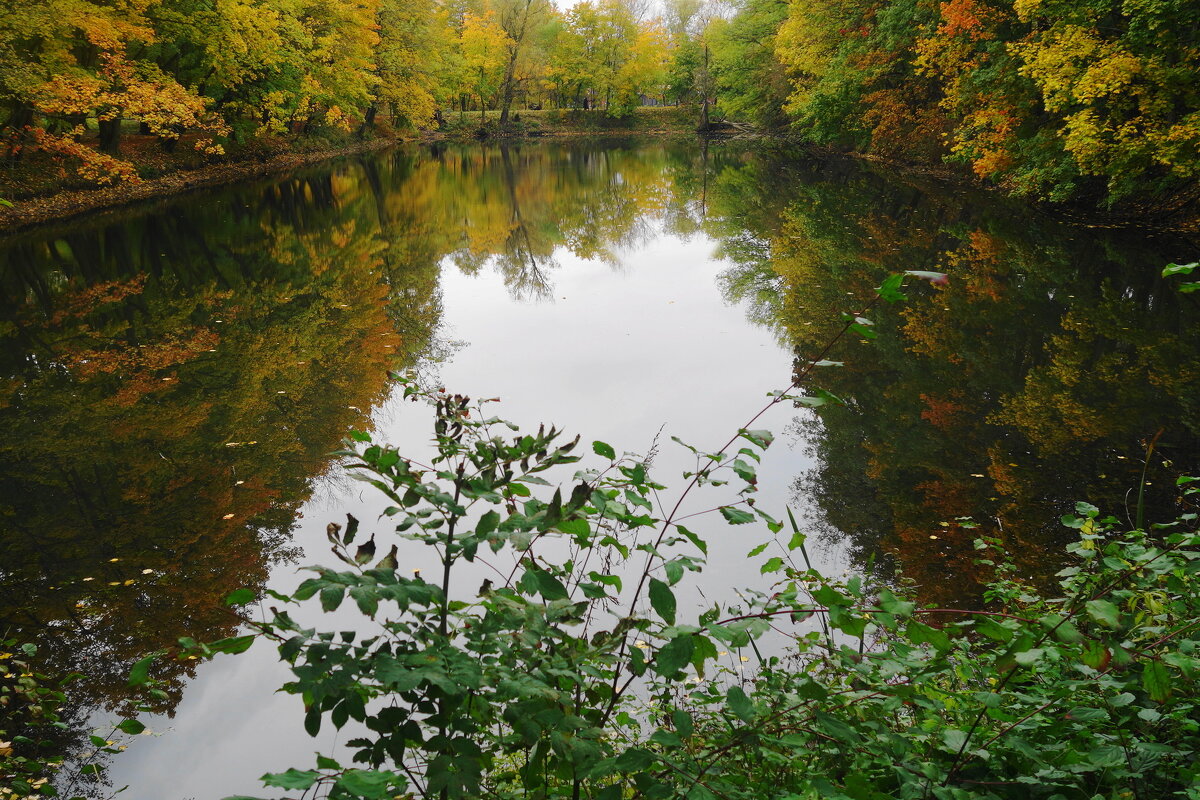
(174,377)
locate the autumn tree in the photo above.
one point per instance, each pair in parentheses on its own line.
(418,59)
(751,82)
(485,48)
(517,18)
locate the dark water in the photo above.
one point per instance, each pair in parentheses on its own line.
(172,378)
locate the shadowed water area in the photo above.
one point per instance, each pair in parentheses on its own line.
(173,379)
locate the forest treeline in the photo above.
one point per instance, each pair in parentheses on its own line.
(1053,99)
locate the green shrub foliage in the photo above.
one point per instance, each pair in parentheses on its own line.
(576,672)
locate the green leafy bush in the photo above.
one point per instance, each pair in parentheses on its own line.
(556,679)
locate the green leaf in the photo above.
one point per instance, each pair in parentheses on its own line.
(1104,613)
(292,779)
(331,597)
(578,528)
(1156,680)
(1179,269)
(921,633)
(668,739)
(233,645)
(745,471)
(130,726)
(549,586)
(836,728)
(1096,655)
(487,523)
(366,783)
(889,290)
(762,438)
(954,739)
(891,605)
(663,600)
(239,597)
(736,516)
(366,598)
(1030,656)
(312,721)
(694,539)
(741,705)
(139,675)
(1064,630)
(683,723)
(1084,714)
(674,655)
(773,564)
(863,331)
(603,449)
(634,759)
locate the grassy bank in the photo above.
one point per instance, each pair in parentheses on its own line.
(651,120)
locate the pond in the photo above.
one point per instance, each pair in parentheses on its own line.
(176,375)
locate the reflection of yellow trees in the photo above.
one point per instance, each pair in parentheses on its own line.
(513,208)
(162,429)
(170,384)
(1029,382)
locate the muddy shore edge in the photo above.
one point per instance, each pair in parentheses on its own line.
(65,205)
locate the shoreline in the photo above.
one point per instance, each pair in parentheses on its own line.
(69,204)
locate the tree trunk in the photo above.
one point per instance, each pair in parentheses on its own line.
(110,136)
(368,120)
(518,38)
(509,84)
